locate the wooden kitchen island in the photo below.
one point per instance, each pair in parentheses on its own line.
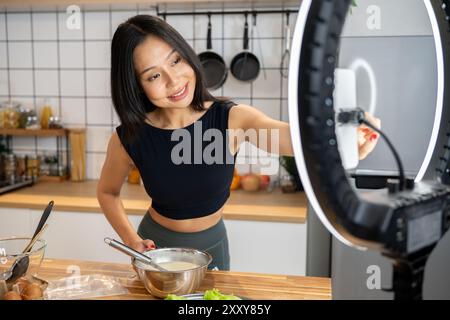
(249,285)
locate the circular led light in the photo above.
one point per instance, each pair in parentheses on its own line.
(351,219)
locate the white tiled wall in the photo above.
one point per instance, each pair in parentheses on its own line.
(41,58)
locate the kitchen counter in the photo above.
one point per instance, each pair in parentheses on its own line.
(81,197)
(249,285)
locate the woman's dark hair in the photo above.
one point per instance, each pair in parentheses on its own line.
(129,100)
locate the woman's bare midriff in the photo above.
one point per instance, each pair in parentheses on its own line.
(186,225)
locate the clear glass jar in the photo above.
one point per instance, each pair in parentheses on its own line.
(273,184)
(23,115)
(287,184)
(32,122)
(54,170)
(61,171)
(54,123)
(10,114)
(2,117)
(44,168)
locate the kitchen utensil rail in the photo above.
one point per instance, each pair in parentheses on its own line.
(222,12)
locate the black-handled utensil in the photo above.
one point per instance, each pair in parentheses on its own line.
(20,266)
(44,217)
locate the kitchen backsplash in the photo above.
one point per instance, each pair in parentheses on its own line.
(41,58)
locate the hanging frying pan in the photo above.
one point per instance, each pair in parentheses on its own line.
(245,66)
(214,68)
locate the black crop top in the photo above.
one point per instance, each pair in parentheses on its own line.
(185,190)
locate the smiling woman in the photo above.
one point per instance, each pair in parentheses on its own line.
(157,88)
(159,93)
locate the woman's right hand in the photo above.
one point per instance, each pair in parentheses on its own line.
(141,246)
(367,137)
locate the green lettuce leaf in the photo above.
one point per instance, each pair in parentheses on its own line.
(214,294)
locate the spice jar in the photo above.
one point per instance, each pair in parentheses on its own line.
(44,167)
(134,177)
(21,167)
(53,165)
(10,168)
(54,123)
(32,122)
(32,167)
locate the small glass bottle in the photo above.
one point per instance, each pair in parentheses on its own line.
(61,171)
(32,167)
(46,113)
(53,165)
(44,166)
(10,168)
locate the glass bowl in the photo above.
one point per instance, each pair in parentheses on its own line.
(11,249)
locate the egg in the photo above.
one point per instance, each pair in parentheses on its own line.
(22,283)
(32,291)
(12,295)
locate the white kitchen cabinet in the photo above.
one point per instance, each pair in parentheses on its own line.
(79,235)
(255,246)
(267,247)
(15,223)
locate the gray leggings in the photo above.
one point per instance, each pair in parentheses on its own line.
(213,240)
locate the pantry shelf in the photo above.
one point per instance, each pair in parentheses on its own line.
(74,138)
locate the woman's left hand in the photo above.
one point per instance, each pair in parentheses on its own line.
(367,137)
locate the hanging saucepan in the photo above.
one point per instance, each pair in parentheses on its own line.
(214,68)
(284,65)
(245,65)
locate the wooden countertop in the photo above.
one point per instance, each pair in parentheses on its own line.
(81,197)
(249,285)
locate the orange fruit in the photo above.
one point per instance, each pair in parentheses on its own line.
(235,183)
